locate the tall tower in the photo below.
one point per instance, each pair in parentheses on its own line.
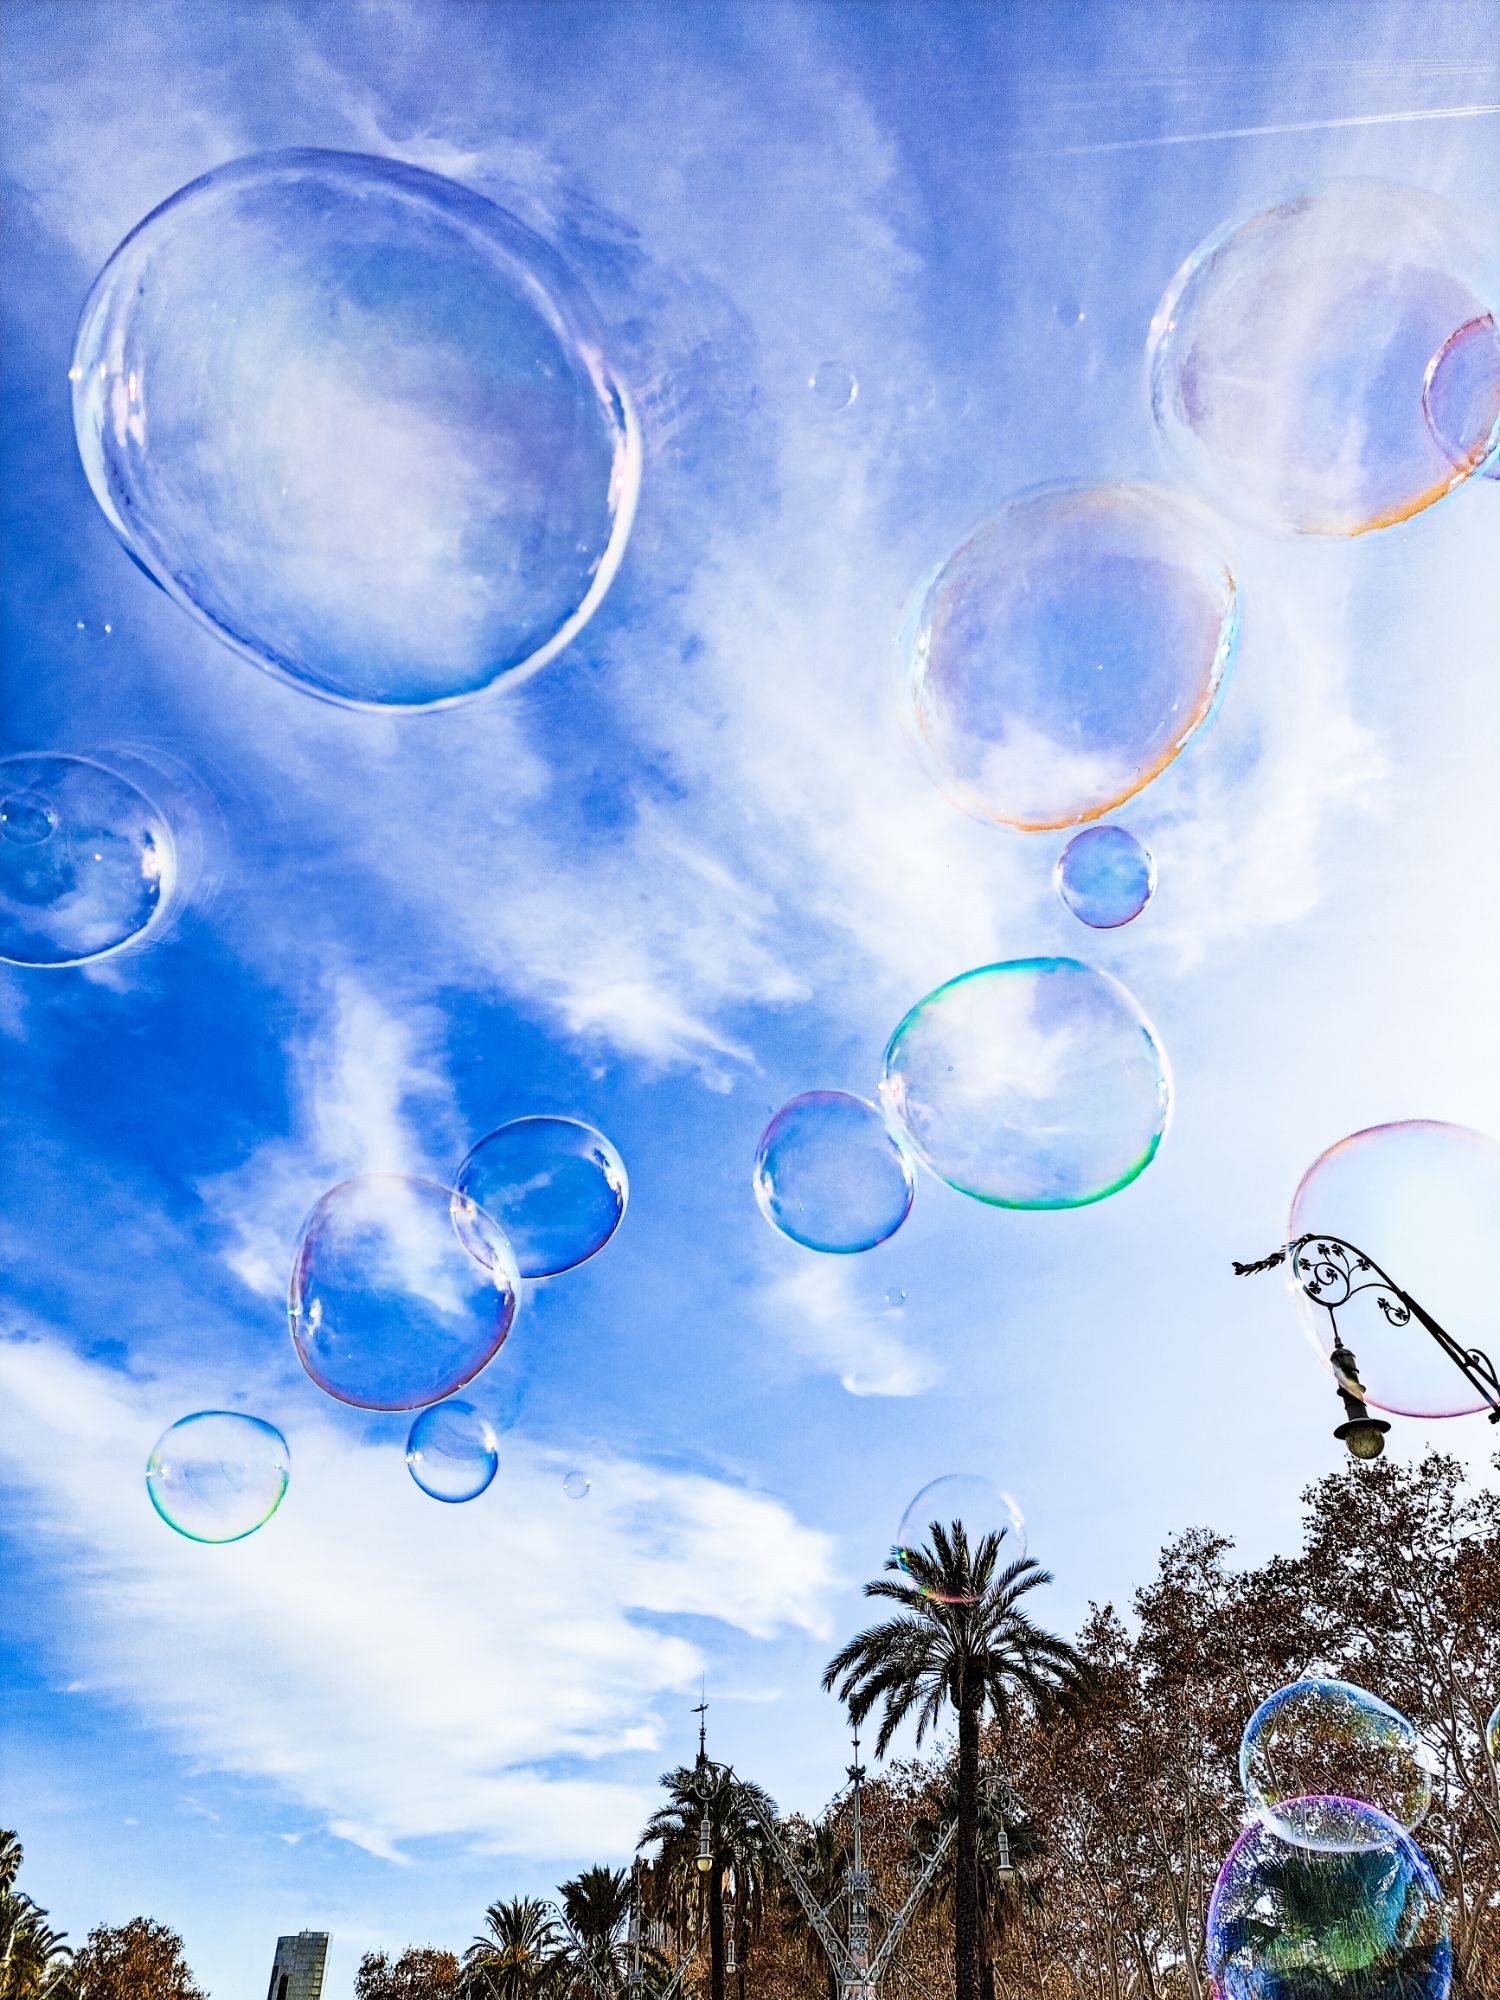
(298,1971)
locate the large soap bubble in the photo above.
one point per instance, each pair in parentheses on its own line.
(829,1175)
(1105,876)
(1064,654)
(1036,1083)
(1461,396)
(1288,356)
(1420,1200)
(87,861)
(557,1188)
(390,1307)
(1361,1921)
(357,421)
(1492,1738)
(217,1476)
(940,1542)
(451,1451)
(1322,1739)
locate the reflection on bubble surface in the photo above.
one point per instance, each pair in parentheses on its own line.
(1324,1738)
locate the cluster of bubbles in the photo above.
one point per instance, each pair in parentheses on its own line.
(1326,1892)
(958,1537)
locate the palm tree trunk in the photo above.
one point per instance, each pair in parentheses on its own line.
(716,1932)
(966,1984)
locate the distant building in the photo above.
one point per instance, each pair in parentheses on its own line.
(298,1971)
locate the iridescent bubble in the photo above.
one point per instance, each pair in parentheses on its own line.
(87,862)
(1105,876)
(1061,657)
(1461,397)
(1361,1921)
(576,1485)
(557,1188)
(390,1307)
(1492,1738)
(451,1451)
(1287,358)
(1421,1201)
(829,1175)
(833,384)
(950,1520)
(356,420)
(217,1476)
(1036,1083)
(1320,1740)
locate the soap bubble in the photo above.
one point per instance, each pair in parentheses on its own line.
(87,862)
(217,1476)
(1036,1083)
(895,1298)
(390,1307)
(1461,396)
(576,1485)
(829,1175)
(1063,655)
(1319,1742)
(1105,876)
(1492,1738)
(356,421)
(450,1451)
(1421,1200)
(1287,358)
(1363,1921)
(556,1187)
(833,385)
(966,1500)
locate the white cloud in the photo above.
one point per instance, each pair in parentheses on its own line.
(399,1668)
(832,1317)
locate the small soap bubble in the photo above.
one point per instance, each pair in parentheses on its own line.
(1461,396)
(1492,1738)
(356,420)
(940,1543)
(1035,1083)
(1105,876)
(556,1186)
(1319,1742)
(87,862)
(217,1476)
(451,1451)
(391,1308)
(829,1175)
(576,1485)
(895,1298)
(833,384)
(1068,312)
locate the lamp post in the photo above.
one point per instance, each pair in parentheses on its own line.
(1332,1272)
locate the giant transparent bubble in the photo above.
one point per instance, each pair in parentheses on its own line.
(829,1175)
(357,421)
(1362,1921)
(1105,877)
(87,861)
(1461,397)
(556,1186)
(217,1476)
(1288,357)
(451,1451)
(390,1307)
(1421,1201)
(1062,656)
(1321,1739)
(1035,1083)
(943,1542)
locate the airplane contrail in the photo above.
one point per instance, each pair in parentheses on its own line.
(1265,131)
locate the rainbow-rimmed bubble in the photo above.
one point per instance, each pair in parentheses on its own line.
(218,1475)
(1062,656)
(391,1306)
(829,1175)
(1461,397)
(1361,1919)
(1492,1737)
(88,863)
(1319,1739)
(451,1451)
(1288,357)
(1105,877)
(1034,1083)
(942,1541)
(1420,1199)
(556,1186)
(357,421)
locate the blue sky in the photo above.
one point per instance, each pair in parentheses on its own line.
(687,871)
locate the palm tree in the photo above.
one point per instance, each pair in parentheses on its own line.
(35,1964)
(961,1640)
(596,1904)
(517,1956)
(1004,1838)
(823,1856)
(735,1845)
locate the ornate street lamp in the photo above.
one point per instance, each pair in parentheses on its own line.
(1332,1272)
